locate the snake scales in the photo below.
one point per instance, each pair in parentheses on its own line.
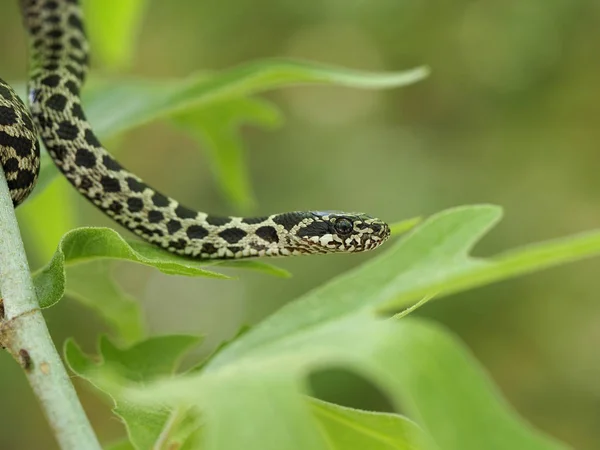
(59,60)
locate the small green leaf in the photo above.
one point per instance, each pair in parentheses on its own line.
(353,429)
(91,284)
(217,128)
(113,27)
(86,244)
(154,358)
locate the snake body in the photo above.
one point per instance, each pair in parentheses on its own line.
(59,60)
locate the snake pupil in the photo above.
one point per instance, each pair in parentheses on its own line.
(343,226)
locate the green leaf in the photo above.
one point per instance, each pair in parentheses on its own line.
(217,128)
(115,106)
(92,284)
(142,363)
(113,26)
(118,105)
(353,429)
(442,387)
(86,244)
(337,325)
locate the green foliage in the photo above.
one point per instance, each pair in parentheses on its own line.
(423,369)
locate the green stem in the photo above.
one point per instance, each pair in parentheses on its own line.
(24,333)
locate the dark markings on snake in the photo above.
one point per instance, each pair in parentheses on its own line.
(75,43)
(160,200)
(85,182)
(4,92)
(217,220)
(208,248)
(289,220)
(233,235)
(115,207)
(8,116)
(173,226)
(72,87)
(77,111)
(179,244)
(54,33)
(268,234)
(91,139)
(11,165)
(57,102)
(185,213)
(135,185)
(235,248)
(55,47)
(50,5)
(68,131)
(155,216)
(314,229)
(75,21)
(110,184)
(51,81)
(196,232)
(25,178)
(135,204)
(111,163)
(254,220)
(59,151)
(20,144)
(85,158)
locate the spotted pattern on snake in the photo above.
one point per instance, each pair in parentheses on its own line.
(59,60)
(20,155)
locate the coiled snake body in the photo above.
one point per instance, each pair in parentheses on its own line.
(58,66)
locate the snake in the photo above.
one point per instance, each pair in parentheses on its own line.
(59,58)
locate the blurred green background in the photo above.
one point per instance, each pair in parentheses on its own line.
(510,115)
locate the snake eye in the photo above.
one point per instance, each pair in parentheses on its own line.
(343,226)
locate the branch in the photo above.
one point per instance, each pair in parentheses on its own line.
(24,334)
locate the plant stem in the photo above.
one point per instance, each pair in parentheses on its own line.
(24,333)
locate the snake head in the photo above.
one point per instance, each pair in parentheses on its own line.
(332,231)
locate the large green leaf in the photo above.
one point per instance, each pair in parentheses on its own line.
(87,244)
(422,369)
(344,428)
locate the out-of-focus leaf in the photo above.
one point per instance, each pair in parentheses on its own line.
(91,283)
(154,358)
(337,325)
(48,216)
(116,106)
(85,244)
(113,26)
(217,128)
